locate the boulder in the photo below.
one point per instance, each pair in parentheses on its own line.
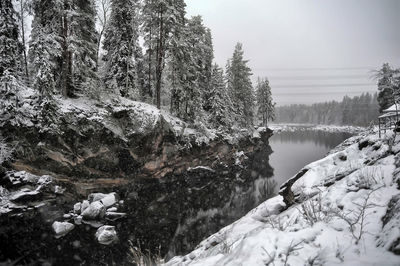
(96,210)
(85,204)
(62,228)
(106,235)
(59,190)
(109,200)
(113,216)
(96,197)
(25,195)
(112,209)
(77,208)
(78,220)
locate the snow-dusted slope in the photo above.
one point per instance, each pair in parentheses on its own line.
(344,211)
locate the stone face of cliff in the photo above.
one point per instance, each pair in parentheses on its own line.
(84,139)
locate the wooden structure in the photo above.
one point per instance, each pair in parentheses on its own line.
(390,119)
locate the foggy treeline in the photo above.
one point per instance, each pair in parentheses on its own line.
(357,111)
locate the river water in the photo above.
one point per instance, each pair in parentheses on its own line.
(294,150)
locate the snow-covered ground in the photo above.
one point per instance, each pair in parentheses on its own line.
(344,210)
(328,128)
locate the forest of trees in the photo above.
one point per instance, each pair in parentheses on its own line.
(358,111)
(144,50)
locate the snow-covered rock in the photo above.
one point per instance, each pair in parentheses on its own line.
(113,216)
(84,205)
(62,228)
(25,194)
(77,208)
(109,200)
(96,196)
(78,220)
(96,210)
(106,235)
(59,190)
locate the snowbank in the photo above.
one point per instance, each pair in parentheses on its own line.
(334,216)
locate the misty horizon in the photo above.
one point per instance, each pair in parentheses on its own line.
(310,51)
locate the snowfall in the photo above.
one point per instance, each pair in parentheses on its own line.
(346,211)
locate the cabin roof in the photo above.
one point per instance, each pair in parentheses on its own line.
(389,114)
(392,109)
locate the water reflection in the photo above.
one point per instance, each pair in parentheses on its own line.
(294,150)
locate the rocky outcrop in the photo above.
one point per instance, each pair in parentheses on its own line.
(85,139)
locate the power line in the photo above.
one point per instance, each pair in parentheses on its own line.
(317,93)
(321,85)
(314,69)
(318,77)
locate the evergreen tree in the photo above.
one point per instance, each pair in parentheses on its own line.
(386,88)
(22,8)
(219,101)
(208,56)
(83,43)
(121,46)
(240,87)
(10,47)
(266,106)
(190,69)
(45,46)
(162,19)
(63,46)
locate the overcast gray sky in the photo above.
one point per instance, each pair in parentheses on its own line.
(311,50)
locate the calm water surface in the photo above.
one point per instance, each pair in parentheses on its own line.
(294,150)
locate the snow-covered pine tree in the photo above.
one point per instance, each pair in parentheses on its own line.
(22,8)
(83,45)
(63,46)
(10,47)
(219,101)
(386,88)
(190,70)
(208,56)
(162,19)
(240,87)
(265,104)
(45,46)
(120,45)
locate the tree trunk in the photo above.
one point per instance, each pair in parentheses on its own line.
(23,38)
(66,60)
(160,53)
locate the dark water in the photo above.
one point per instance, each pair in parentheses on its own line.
(294,150)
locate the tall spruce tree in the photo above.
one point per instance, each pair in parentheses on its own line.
(162,19)
(240,87)
(266,106)
(45,46)
(83,45)
(63,46)
(386,87)
(219,101)
(10,47)
(121,46)
(190,69)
